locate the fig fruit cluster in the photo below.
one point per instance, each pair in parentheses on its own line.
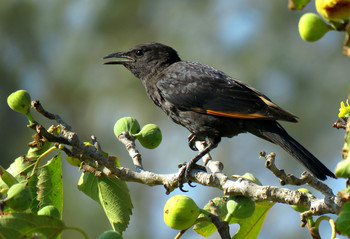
(150,136)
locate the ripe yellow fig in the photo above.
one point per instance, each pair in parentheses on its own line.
(312,27)
(128,124)
(110,235)
(51,211)
(301,208)
(239,207)
(180,212)
(19,197)
(150,136)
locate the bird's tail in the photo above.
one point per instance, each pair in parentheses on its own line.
(275,133)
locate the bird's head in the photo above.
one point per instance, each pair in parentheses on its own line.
(145,59)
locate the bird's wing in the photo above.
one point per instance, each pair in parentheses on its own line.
(197,87)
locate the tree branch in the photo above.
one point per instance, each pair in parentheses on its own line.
(96,163)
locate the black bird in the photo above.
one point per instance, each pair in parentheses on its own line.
(210,103)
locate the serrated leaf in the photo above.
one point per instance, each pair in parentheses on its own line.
(115,199)
(50,185)
(32,183)
(112,194)
(343,221)
(24,225)
(250,227)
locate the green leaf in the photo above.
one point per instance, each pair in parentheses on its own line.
(6,178)
(32,183)
(20,168)
(343,221)
(50,185)
(35,152)
(115,199)
(204,227)
(112,194)
(88,185)
(24,225)
(249,227)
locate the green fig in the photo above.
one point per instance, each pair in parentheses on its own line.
(51,211)
(150,136)
(301,208)
(312,27)
(19,197)
(110,235)
(180,212)
(239,207)
(342,170)
(20,101)
(128,124)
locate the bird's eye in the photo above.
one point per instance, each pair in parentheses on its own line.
(139,53)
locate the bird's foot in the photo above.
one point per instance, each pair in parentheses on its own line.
(185,174)
(192,138)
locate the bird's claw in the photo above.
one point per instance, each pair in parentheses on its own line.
(185,174)
(192,142)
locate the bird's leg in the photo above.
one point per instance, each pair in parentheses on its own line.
(192,138)
(189,166)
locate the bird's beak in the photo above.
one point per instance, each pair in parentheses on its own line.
(123,58)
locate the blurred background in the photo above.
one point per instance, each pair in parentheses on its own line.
(53,49)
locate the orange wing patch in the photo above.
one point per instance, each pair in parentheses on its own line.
(236,115)
(231,114)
